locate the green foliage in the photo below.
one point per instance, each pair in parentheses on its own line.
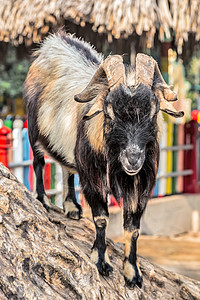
(193,70)
(12,75)
(193,76)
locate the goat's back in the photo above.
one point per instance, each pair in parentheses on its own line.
(63,67)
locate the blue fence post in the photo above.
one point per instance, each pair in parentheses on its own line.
(76,183)
(26,156)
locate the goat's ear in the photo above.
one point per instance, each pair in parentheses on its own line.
(169,109)
(177,114)
(96,108)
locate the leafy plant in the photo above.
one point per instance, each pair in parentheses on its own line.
(12,75)
(193,76)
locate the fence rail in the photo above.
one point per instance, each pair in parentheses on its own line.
(175,174)
(177,148)
(176,141)
(28,163)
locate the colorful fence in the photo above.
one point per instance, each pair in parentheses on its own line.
(16,154)
(179,169)
(173,169)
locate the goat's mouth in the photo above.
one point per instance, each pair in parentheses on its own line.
(131,164)
(131,172)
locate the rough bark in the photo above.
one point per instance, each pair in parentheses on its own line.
(46,256)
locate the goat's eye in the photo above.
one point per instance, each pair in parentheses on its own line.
(107,116)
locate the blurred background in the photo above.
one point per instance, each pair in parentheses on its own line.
(168,30)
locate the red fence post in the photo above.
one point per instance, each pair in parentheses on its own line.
(5,143)
(191,158)
(47,175)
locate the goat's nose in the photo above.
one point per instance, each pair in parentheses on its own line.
(134,158)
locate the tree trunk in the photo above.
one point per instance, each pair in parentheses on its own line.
(46,256)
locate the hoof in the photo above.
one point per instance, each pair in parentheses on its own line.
(74,215)
(103,264)
(45,201)
(72,210)
(132,274)
(137,280)
(104,268)
(46,207)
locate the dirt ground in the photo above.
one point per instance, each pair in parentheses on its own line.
(179,254)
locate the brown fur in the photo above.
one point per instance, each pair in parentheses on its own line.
(95,133)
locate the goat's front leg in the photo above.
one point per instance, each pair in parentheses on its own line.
(132,216)
(100,214)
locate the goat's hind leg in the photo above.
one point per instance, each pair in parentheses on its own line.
(71,208)
(38,165)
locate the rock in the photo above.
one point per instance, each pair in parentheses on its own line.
(46,256)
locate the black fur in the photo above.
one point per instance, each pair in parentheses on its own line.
(30,99)
(132,123)
(71,197)
(80,46)
(103,174)
(38,165)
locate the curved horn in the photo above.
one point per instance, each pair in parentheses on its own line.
(147,72)
(91,90)
(114,70)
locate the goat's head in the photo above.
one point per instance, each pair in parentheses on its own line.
(130,112)
(130,124)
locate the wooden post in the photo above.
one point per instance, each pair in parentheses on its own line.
(163,162)
(174,157)
(132,54)
(165,46)
(18,149)
(169,158)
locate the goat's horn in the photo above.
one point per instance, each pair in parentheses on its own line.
(144,71)
(115,71)
(168,94)
(89,92)
(148,73)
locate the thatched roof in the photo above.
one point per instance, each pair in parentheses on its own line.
(30,20)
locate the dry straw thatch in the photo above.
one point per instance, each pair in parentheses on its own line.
(29,21)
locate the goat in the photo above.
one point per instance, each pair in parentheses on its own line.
(100,119)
